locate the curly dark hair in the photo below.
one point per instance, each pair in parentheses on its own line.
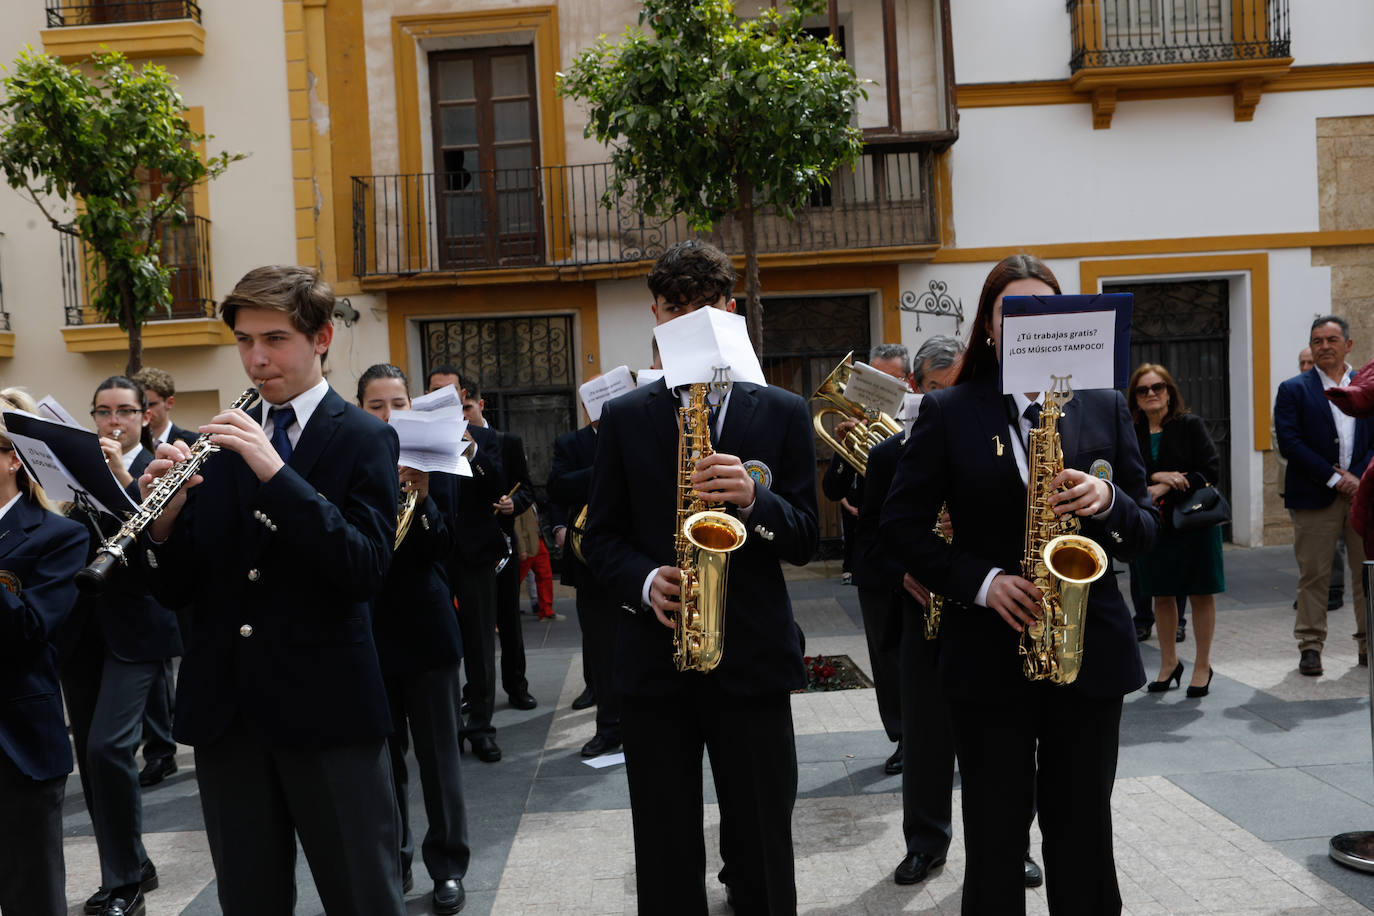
(692,272)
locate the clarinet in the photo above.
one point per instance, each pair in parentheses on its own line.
(94,577)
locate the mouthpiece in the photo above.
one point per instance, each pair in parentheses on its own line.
(116,433)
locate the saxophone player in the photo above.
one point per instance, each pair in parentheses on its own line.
(1017,740)
(763,471)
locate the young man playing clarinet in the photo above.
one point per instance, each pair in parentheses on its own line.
(284,539)
(764,473)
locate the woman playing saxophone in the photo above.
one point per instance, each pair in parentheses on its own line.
(1019,739)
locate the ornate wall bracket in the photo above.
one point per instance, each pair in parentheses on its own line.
(936,300)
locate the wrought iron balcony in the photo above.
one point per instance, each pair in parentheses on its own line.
(1131,33)
(185,249)
(554,217)
(105,12)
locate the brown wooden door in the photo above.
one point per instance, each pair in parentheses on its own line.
(486,157)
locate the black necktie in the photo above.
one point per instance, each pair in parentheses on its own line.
(715,416)
(1032,413)
(282,418)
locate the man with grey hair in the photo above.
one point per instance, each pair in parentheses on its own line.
(843,484)
(936,363)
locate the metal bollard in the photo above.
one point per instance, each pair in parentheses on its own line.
(1356,848)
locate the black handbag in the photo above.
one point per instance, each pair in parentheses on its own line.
(1201,507)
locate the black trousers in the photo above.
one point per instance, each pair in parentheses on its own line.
(157,717)
(509,629)
(883,630)
(475,591)
(599,617)
(928,748)
(1057,745)
(111,748)
(257,798)
(33,874)
(80,677)
(427,702)
(753,757)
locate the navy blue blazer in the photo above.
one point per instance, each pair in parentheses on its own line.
(284,573)
(633,516)
(480,540)
(134,625)
(872,565)
(570,484)
(952,456)
(42,552)
(1307,439)
(413,620)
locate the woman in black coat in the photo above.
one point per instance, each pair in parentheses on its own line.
(1019,741)
(40,552)
(1179,455)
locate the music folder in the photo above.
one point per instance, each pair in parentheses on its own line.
(67,461)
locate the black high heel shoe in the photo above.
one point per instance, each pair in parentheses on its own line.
(1195,692)
(1176,677)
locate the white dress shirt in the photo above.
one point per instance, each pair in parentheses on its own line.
(303,404)
(1345,424)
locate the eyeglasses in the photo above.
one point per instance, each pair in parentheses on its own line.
(124,413)
(1156,388)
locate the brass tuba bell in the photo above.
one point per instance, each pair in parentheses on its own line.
(874,425)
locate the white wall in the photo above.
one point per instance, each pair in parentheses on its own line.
(625,323)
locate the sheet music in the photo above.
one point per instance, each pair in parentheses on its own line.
(49,409)
(603,388)
(694,346)
(875,389)
(67,461)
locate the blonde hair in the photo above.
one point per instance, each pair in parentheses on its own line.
(19,399)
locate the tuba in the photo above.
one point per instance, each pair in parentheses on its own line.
(874,425)
(1062,563)
(704,538)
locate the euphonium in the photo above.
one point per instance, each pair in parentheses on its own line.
(935,604)
(874,425)
(704,538)
(1061,562)
(576,531)
(405,511)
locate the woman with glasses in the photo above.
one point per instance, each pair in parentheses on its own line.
(118,641)
(40,552)
(1179,454)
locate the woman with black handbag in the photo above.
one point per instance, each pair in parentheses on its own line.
(1181,464)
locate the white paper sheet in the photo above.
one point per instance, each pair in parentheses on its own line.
(49,409)
(84,470)
(605,760)
(875,389)
(446,396)
(1076,345)
(694,347)
(647,377)
(431,440)
(603,388)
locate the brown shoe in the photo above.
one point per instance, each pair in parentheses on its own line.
(1310,663)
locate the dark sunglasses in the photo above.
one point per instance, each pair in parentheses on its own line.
(1156,388)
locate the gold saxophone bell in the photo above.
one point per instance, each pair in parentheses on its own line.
(874,425)
(712,536)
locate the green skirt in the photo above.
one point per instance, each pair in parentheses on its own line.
(1183,563)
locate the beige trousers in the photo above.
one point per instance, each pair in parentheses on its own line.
(1314,541)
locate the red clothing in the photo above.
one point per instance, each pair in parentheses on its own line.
(543,578)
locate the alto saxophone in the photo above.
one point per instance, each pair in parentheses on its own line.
(1061,562)
(935,604)
(704,539)
(93,578)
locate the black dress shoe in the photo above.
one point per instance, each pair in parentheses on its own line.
(585,700)
(893,765)
(1363,660)
(1182,632)
(1334,599)
(1143,631)
(916,867)
(407,881)
(449,895)
(1310,663)
(600,744)
(523,700)
(156,770)
(484,746)
(125,901)
(1034,877)
(147,881)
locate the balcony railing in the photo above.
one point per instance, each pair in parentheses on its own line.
(553,216)
(1129,33)
(106,12)
(186,250)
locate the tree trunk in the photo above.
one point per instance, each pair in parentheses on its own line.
(753,306)
(126,296)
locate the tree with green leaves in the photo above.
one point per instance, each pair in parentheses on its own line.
(708,114)
(90,144)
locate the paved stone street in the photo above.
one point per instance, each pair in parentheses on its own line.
(1223,805)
